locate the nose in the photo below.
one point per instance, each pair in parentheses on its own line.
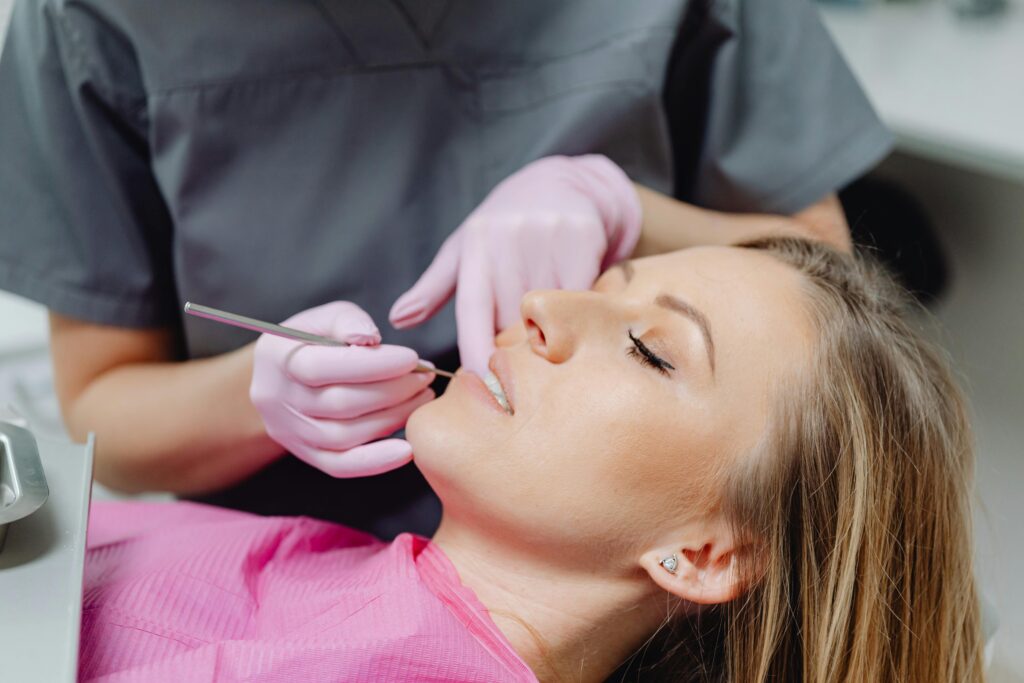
(555,320)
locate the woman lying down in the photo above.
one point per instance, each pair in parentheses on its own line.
(722,464)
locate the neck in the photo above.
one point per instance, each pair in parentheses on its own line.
(567,624)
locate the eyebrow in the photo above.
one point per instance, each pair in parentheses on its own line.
(679,306)
(676,304)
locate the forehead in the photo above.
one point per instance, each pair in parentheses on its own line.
(730,267)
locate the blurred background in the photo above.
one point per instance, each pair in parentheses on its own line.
(946,210)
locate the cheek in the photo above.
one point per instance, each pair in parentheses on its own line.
(608,451)
(677,474)
(632,445)
(644,454)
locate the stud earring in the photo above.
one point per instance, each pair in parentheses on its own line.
(670,563)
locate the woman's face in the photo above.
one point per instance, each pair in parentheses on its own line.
(629,402)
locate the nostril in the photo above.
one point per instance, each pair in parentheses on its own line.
(535,334)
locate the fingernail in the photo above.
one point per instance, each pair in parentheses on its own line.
(400,305)
(404,311)
(371,338)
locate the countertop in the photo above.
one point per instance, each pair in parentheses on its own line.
(41,573)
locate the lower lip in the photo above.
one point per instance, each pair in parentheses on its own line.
(476,386)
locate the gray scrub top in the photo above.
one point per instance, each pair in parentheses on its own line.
(265,156)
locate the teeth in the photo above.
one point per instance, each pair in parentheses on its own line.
(495,386)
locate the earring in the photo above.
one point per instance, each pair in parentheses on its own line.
(670,563)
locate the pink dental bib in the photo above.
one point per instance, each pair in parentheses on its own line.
(190,593)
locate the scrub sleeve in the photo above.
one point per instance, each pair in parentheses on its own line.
(766,115)
(83,227)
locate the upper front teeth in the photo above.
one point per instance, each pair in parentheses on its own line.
(499,394)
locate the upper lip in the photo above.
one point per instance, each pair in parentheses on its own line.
(498,364)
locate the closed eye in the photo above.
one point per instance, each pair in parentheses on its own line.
(645,356)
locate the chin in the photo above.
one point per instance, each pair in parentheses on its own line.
(418,430)
(436,437)
(452,450)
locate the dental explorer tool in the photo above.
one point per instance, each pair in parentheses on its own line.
(280,331)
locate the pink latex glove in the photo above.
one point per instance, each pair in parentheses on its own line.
(325,403)
(555,224)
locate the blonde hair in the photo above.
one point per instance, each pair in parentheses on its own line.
(856,508)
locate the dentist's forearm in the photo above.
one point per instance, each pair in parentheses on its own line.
(669,224)
(185,427)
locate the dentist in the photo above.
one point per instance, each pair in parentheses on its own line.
(335,165)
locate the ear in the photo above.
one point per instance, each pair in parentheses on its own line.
(707,571)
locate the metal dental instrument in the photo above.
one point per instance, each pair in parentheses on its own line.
(279,330)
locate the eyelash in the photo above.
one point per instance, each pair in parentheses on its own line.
(645,356)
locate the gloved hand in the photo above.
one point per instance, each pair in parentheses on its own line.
(555,224)
(326,403)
